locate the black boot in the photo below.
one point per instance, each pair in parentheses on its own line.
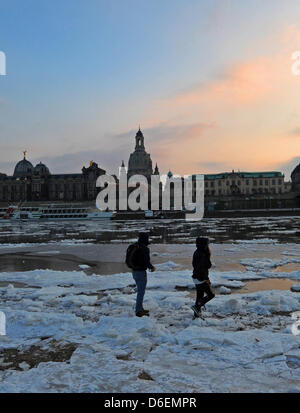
(197,310)
(142,313)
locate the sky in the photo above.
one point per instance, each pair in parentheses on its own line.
(210,83)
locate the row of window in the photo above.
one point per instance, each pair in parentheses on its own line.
(63,211)
(247,182)
(53,187)
(64,216)
(248,191)
(78,187)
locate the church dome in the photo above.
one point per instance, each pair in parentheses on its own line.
(41,169)
(140,162)
(23,169)
(296,171)
(296,178)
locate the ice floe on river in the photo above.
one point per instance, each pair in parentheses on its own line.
(244,344)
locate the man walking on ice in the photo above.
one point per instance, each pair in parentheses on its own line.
(138,259)
(201,265)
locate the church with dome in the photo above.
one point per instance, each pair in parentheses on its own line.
(36,183)
(140,162)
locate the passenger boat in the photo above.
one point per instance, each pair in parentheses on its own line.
(53,212)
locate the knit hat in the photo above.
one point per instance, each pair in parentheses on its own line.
(144,238)
(202,242)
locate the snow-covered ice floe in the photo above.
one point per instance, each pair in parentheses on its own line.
(244,344)
(268,263)
(64,242)
(256,241)
(296,288)
(84,266)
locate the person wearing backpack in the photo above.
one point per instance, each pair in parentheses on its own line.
(201,265)
(138,260)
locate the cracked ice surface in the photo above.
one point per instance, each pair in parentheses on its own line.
(244,344)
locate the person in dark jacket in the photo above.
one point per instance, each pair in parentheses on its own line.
(201,265)
(141,263)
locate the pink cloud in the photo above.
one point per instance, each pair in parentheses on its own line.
(243,84)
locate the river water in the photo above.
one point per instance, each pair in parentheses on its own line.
(101,245)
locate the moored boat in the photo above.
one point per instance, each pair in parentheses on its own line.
(53,212)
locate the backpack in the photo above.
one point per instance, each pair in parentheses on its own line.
(130,254)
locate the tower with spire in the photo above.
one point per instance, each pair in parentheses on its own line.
(140,162)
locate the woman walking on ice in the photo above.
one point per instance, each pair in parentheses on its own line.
(201,265)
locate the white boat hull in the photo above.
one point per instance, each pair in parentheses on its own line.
(54,213)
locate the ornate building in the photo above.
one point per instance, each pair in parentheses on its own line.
(30,183)
(242,190)
(36,183)
(140,162)
(245,183)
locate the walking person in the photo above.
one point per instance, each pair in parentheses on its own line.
(201,265)
(138,259)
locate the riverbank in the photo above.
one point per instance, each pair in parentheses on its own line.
(70,332)
(71,327)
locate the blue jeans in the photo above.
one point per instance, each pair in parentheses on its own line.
(140,278)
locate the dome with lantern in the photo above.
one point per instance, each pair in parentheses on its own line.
(24,168)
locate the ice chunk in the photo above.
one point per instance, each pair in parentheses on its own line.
(224,290)
(295,288)
(232,306)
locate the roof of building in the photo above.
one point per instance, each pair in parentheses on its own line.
(295,171)
(42,169)
(23,168)
(63,176)
(271,174)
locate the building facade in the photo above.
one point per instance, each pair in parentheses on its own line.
(246,190)
(29,183)
(245,183)
(36,183)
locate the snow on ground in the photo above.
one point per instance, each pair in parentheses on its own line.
(224,290)
(244,344)
(256,241)
(267,262)
(295,288)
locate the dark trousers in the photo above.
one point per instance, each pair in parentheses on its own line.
(140,278)
(202,289)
